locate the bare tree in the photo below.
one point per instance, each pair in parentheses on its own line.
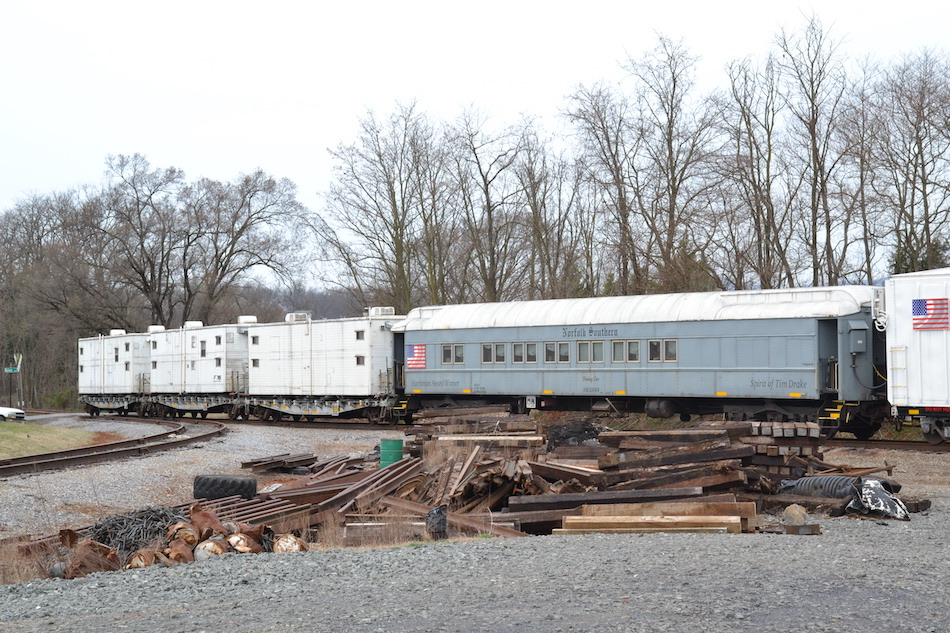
(487,189)
(815,75)
(914,152)
(371,224)
(551,185)
(235,229)
(608,136)
(759,224)
(672,175)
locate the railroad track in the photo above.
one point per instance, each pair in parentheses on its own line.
(893,445)
(174,435)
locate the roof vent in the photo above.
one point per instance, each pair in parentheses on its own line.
(382,311)
(247,318)
(193,324)
(156,328)
(297,317)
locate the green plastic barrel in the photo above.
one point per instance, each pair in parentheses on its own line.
(390,452)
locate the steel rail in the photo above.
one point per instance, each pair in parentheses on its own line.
(894,445)
(108,451)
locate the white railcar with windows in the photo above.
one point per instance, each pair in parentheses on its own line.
(307,368)
(113,370)
(199,359)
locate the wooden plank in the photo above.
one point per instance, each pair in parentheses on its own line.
(733,524)
(642,530)
(614,438)
(579,452)
(505,441)
(743,509)
(577,499)
(655,478)
(561,472)
(633,460)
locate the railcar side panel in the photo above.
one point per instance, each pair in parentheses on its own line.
(114,364)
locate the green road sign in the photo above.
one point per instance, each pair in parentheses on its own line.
(10,370)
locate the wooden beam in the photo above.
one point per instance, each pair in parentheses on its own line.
(733,524)
(577,499)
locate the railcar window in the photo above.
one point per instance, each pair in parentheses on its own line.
(360,360)
(126,366)
(499,352)
(154,364)
(80,350)
(616,354)
(204,351)
(255,362)
(453,354)
(255,340)
(217,362)
(154,344)
(563,352)
(360,335)
(633,351)
(486,352)
(655,351)
(517,352)
(81,369)
(217,340)
(669,350)
(583,352)
(597,351)
(530,352)
(550,352)
(126,347)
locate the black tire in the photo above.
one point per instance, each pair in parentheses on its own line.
(218,486)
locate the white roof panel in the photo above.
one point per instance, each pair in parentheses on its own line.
(705,306)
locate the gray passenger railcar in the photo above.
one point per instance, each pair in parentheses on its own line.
(809,354)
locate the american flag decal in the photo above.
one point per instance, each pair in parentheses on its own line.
(931,314)
(416,356)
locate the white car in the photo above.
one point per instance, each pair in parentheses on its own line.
(9,413)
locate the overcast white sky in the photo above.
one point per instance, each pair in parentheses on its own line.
(220,88)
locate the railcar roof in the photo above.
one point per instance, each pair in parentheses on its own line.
(705,306)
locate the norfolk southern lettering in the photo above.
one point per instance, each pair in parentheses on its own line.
(588,332)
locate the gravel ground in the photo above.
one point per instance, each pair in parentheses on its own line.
(859,575)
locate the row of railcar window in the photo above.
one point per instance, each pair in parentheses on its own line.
(622,351)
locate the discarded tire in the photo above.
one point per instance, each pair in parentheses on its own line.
(218,486)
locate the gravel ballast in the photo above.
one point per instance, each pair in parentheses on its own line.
(858,575)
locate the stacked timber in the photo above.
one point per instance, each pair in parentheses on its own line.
(707,458)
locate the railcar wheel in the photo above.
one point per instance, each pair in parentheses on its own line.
(933,437)
(863,433)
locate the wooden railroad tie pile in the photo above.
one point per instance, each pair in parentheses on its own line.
(497,477)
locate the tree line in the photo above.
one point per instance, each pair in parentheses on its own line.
(807,168)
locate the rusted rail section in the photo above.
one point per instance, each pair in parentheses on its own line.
(109,451)
(893,445)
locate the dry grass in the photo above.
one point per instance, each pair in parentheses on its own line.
(23,438)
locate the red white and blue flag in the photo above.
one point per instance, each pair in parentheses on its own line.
(931,314)
(416,356)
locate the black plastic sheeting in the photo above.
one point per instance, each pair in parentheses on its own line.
(834,486)
(871,498)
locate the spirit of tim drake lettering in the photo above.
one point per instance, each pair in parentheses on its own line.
(588,332)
